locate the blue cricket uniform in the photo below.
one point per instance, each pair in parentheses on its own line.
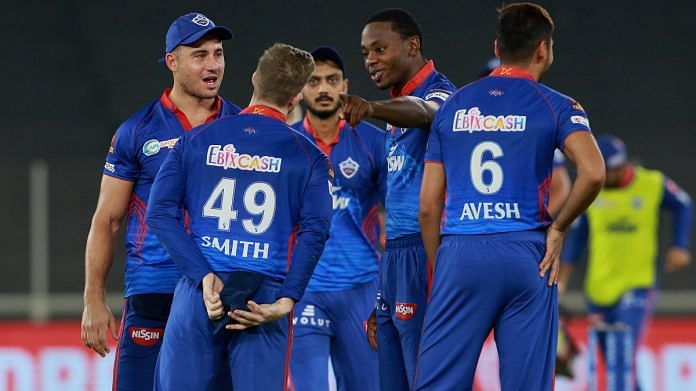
(403,269)
(330,319)
(496,139)
(137,151)
(258,194)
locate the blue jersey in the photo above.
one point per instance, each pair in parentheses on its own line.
(253,188)
(405,148)
(137,151)
(350,257)
(496,138)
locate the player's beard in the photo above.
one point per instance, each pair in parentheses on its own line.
(189,86)
(323,114)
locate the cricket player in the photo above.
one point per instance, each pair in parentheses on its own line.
(491,152)
(621,227)
(392,52)
(330,319)
(258,194)
(195,57)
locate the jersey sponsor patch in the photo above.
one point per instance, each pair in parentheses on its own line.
(227,157)
(443,95)
(576,105)
(348,167)
(110,166)
(405,311)
(471,120)
(145,336)
(152,147)
(579,119)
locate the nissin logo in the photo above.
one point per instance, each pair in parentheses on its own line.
(405,311)
(145,336)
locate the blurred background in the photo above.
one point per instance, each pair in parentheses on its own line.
(72,71)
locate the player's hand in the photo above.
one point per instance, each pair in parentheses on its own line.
(677,258)
(372,330)
(212,285)
(97,319)
(355,109)
(260,313)
(552,258)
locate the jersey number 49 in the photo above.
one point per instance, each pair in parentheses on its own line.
(225,213)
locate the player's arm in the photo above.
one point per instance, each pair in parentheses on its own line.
(678,202)
(404,111)
(573,248)
(165,220)
(581,148)
(97,318)
(312,233)
(559,189)
(432,201)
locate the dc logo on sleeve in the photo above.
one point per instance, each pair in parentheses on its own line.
(349,167)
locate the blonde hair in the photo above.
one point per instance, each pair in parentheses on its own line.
(282,72)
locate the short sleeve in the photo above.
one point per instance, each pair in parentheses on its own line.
(122,160)
(571,118)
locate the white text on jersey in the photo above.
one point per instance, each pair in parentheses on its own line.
(490,210)
(228,157)
(237,248)
(471,120)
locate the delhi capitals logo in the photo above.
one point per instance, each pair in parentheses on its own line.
(348,167)
(201,20)
(151,147)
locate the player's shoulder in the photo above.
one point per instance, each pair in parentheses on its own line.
(439,83)
(369,131)
(558,98)
(140,120)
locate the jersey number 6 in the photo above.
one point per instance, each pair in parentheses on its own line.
(478,167)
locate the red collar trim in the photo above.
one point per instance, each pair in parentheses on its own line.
(325,147)
(505,71)
(628,177)
(166,101)
(415,81)
(265,111)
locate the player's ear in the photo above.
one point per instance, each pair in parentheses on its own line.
(253,79)
(294,101)
(496,50)
(414,46)
(542,52)
(345,86)
(170,60)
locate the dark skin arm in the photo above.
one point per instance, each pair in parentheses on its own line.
(432,202)
(403,112)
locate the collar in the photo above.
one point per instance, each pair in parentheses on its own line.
(415,81)
(166,101)
(506,71)
(265,111)
(325,147)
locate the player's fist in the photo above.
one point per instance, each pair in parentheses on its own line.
(355,109)
(677,258)
(97,319)
(212,285)
(372,330)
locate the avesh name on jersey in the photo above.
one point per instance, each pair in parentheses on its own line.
(490,210)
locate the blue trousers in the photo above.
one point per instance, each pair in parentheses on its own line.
(403,287)
(139,344)
(485,282)
(194,358)
(332,324)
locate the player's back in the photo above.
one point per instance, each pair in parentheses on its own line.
(246,177)
(497,138)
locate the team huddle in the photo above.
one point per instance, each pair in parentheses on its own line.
(258,250)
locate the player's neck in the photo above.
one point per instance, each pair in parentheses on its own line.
(325,128)
(197,110)
(255,101)
(413,69)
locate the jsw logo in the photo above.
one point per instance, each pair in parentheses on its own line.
(395,163)
(340,202)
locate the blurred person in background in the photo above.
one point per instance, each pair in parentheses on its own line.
(194,55)
(621,229)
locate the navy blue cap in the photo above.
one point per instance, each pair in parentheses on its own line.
(613,151)
(323,53)
(189,28)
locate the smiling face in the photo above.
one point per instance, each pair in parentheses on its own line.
(386,55)
(322,90)
(198,69)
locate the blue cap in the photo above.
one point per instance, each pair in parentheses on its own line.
(613,151)
(189,28)
(324,53)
